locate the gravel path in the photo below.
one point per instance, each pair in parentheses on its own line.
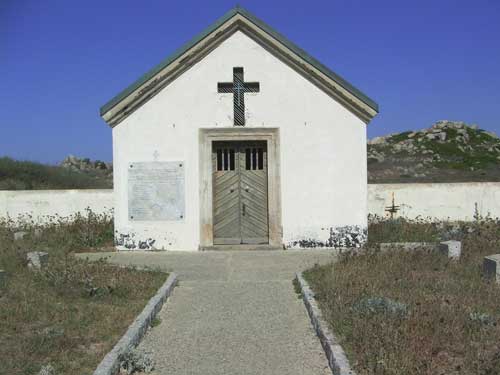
(233,313)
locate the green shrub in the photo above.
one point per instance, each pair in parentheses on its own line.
(27,175)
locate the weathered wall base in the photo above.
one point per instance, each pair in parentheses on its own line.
(329,237)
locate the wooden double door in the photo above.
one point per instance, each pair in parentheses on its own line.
(240,194)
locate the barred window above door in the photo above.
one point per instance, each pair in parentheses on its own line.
(225,159)
(254,158)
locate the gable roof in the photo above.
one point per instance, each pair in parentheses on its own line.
(236,19)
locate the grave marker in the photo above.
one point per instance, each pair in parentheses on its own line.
(20,235)
(491,267)
(3,278)
(37,259)
(452,249)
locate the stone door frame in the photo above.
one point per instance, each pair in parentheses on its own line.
(209,135)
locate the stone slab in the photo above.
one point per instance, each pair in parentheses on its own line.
(20,235)
(491,267)
(37,259)
(37,233)
(408,246)
(452,249)
(156,191)
(3,278)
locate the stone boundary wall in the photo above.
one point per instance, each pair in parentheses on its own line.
(441,201)
(41,204)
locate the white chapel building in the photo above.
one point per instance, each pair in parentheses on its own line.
(239,140)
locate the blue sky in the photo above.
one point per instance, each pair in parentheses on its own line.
(60,60)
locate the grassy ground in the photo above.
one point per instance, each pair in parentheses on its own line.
(415,312)
(71,314)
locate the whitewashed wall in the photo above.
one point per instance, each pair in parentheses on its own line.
(442,201)
(453,201)
(323,146)
(43,203)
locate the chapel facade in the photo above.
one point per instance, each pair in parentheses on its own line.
(239,140)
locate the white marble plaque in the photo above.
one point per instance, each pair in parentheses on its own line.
(156,191)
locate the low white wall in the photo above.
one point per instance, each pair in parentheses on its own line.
(43,203)
(454,201)
(442,201)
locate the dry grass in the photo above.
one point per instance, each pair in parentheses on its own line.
(71,314)
(400,230)
(451,326)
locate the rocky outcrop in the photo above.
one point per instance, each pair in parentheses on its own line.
(97,170)
(85,164)
(447,151)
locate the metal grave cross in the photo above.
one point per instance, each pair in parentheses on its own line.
(238,87)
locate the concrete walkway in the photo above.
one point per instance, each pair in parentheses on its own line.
(233,313)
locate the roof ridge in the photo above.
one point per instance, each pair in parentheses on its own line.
(260,24)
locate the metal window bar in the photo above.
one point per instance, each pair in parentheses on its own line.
(231,159)
(247,159)
(219,159)
(225,159)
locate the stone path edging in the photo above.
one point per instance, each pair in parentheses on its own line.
(335,355)
(110,365)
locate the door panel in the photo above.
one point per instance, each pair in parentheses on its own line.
(226,199)
(253,190)
(240,193)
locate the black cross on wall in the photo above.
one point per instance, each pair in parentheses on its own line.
(238,87)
